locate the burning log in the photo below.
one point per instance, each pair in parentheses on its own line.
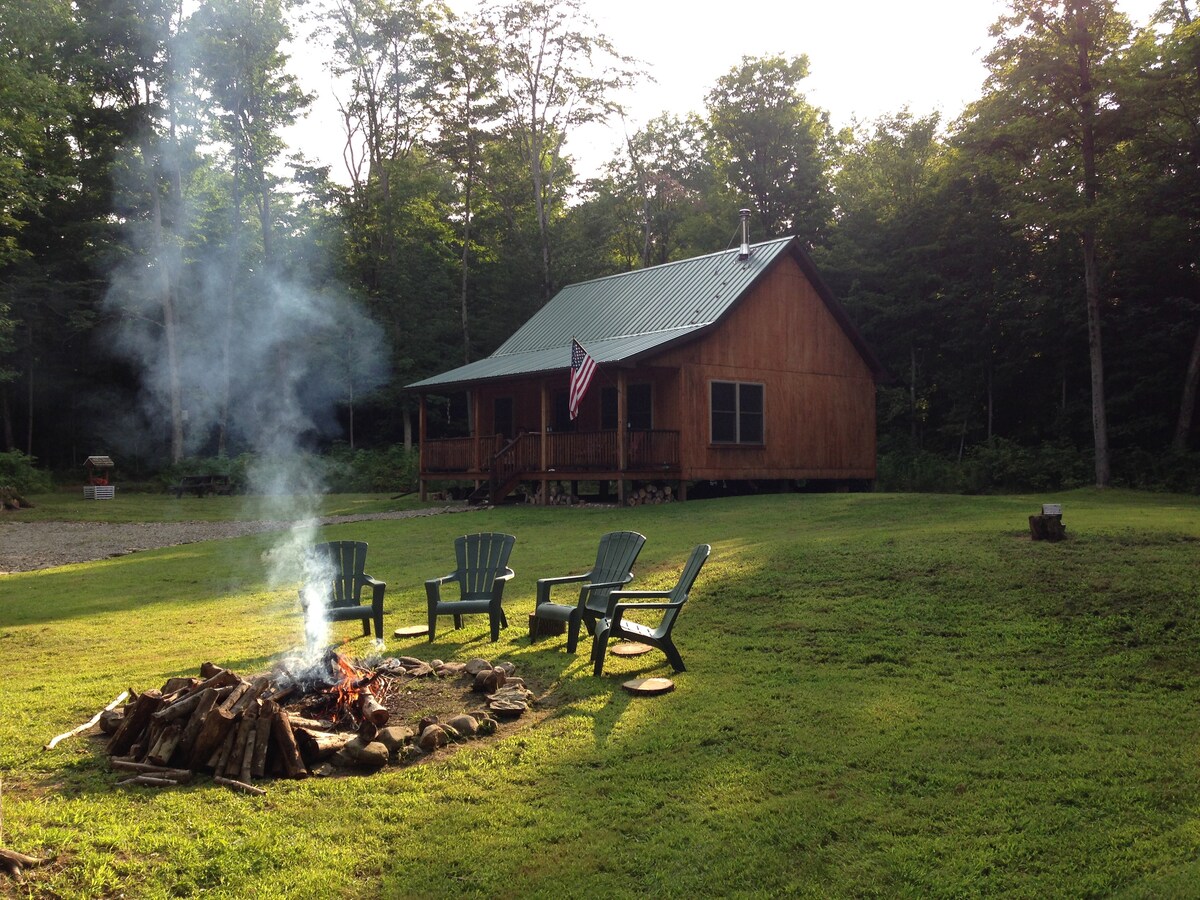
(179,776)
(160,754)
(293,762)
(374,711)
(316,746)
(135,722)
(212,734)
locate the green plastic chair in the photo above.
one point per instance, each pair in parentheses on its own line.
(615,625)
(481,575)
(344,562)
(613,569)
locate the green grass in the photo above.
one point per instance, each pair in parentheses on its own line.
(69,506)
(886,696)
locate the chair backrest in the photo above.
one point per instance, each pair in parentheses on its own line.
(344,562)
(687,578)
(482,558)
(615,557)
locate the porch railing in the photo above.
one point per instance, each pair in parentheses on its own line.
(449,455)
(577,451)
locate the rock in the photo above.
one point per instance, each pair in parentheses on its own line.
(395,736)
(489,680)
(513,679)
(451,731)
(424,670)
(507,692)
(507,666)
(370,755)
(410,661)
(467,726)
(425,722)
(477,665)
(409,753)
(487,726)
(509,709)
(450,669)
(436,663)
(433,737)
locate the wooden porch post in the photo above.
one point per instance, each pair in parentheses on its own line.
(476,449)
(545,460)
(422,493)
(622,437)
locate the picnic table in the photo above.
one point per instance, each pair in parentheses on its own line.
(202,485)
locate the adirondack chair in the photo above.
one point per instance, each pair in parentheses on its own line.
(615,625)
(612,569)
(343,562)
(481,574)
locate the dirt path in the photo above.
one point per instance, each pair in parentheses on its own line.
(26,546)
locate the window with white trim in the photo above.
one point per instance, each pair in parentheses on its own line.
(736,412)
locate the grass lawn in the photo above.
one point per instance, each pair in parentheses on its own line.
(886,696)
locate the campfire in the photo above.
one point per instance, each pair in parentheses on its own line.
(298,720)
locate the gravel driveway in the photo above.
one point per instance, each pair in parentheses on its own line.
(25,546)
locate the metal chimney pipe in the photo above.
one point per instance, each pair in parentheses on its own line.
(744,252)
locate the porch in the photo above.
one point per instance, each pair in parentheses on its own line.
(501,464)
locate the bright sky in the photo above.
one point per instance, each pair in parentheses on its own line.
(866,59)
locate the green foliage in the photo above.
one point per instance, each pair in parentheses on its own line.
(1002,466)
(391,470)
(17,470)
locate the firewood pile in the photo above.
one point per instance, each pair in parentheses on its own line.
(651,494)
(241,730)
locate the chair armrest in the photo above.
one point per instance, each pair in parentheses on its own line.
(638,595)
(433,587)
(545,584)
(377,589)
(508,573)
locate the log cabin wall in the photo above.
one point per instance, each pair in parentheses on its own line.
(819,393)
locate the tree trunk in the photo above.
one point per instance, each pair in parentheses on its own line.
(1187,403)
(1091,274)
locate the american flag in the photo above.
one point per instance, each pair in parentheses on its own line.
(583,367)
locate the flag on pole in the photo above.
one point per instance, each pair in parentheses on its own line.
(583,367)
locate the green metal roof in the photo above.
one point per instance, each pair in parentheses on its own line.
(623,317)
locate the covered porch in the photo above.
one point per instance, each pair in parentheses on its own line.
(519,432)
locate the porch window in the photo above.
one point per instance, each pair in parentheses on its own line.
(737,412)
(639,406)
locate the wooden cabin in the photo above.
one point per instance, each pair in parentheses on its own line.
(734,366)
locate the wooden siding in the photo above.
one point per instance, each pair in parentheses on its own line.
(819,403)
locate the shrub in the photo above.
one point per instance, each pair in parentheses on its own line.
(17,471)
(390,470)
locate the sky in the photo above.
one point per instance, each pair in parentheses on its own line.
(867,59)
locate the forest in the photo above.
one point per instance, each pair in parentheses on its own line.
(177,282)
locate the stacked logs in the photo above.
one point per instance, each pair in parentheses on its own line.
(651,494)
(220,723)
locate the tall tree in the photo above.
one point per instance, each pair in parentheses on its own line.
(1049,108)
(468,107)
(560,73)
(777,147)
(236,53)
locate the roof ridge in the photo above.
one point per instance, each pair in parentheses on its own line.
(678,262)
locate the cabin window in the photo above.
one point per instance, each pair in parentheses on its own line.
(737,412)
(502,413)
(639,406)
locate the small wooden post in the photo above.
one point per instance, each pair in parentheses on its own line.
(422,433)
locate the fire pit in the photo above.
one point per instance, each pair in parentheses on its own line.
(306,718)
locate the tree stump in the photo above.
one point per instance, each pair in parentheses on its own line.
(1047,528)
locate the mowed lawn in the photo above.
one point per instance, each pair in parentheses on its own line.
(886,696)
